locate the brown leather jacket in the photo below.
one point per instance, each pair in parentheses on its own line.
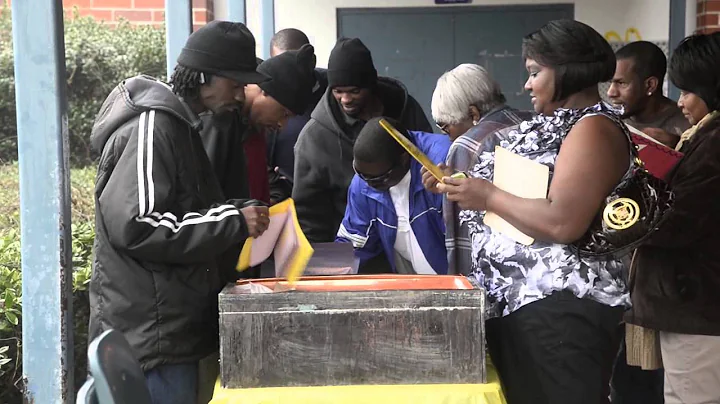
(675,286)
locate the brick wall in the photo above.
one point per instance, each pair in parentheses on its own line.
(708,15)
(137,11)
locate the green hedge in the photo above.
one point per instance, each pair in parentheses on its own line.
(97,57)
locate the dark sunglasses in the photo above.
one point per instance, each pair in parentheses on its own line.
(378,181)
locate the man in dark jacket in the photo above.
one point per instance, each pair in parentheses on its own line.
(164,231)
(324,150)
(281,143)
(227,137)
(271,105)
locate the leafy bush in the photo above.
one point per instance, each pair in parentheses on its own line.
(97,57)
(11,277)
(10,313)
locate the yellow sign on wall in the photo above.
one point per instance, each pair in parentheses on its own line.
(614,36)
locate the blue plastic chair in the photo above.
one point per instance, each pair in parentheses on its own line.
(115,374)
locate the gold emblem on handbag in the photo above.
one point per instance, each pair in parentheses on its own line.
(621,213)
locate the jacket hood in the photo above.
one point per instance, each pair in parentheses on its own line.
(392,92)
(131,98)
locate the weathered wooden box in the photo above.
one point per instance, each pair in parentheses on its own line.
(312,338)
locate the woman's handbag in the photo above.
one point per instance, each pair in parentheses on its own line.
(630,214)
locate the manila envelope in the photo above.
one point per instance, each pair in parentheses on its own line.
(521,177)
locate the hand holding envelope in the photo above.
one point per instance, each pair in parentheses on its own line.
(468,193)
(284,239)
(430,183)
(256,219)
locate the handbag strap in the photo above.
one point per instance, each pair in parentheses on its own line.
(633,147)
(635,160)
(632,269)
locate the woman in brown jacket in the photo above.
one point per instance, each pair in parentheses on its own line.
(676,283)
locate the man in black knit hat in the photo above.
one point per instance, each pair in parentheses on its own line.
(324,150)
(166,236)
(235,141)
(269,107)
(285,92)
(281,143)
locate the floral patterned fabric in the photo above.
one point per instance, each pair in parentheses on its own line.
(514,274)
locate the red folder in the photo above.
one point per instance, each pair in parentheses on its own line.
(657,157)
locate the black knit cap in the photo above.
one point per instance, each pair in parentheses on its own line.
(291,78)
(222,48)
(351,65)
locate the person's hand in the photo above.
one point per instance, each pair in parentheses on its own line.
(429,182)
(469,193)
(257,219)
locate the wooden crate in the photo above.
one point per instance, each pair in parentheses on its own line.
(349,338)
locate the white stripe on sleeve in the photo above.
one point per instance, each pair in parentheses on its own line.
(150,183)
(357,240)
(140,167)
(146,187)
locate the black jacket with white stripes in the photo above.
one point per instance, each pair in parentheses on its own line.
(164,234)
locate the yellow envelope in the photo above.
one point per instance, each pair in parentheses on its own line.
(521,177)
(284,238)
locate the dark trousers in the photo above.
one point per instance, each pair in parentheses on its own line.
(631,384)
(187,383)
(173,384)
(556,350)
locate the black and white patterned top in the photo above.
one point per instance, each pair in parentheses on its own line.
(514,274)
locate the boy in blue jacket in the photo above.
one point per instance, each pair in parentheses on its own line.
(388,209)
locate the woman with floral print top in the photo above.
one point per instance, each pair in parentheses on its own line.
(555,333)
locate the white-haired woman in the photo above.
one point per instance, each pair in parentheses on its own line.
(467,105)
(467,96)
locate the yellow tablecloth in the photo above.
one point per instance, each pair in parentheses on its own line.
(488,393)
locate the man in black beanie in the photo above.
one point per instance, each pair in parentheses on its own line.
(324,150)
(235,141)
(288,90)
(165,233)
(285,92)
(222,130)
(269,107)
(281,143)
